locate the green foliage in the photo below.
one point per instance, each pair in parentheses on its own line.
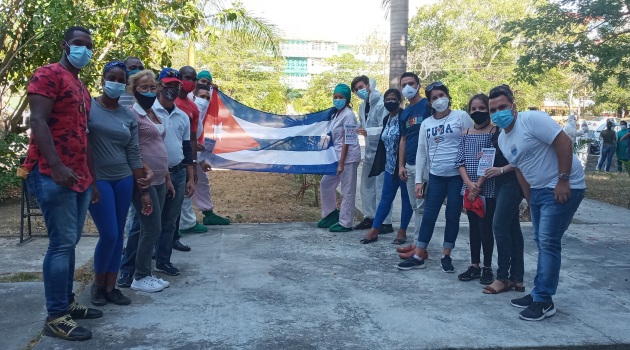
(12,146)
(588,36)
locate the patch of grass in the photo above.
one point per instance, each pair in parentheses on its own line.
(22,277)
(612,188)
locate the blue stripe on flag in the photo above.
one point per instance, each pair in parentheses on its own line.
(323,169)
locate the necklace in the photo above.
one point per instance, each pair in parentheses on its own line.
(82,108)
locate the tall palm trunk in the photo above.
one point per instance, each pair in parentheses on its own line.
(399,27)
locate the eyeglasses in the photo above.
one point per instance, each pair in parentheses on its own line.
(433,85)
(147,88)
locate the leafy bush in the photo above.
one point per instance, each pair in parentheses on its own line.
(12,147)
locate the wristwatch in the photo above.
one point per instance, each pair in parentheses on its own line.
(563,177)
(501,170)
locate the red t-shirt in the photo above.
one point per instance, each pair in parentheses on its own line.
(67,122)
(190,108)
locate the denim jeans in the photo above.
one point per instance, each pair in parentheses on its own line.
(64,212)
(143,233)
(507,232)
(606,155)
(390,187)
(480,233)
(441,187)
(170,212)
(550,220)
(417,204)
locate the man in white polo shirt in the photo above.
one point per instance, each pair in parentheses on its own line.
(553,182)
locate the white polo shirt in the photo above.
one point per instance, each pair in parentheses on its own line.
(177,126)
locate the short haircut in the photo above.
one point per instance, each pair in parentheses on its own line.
(202,87)
(133,80)
(483,97)
(70,31)
(410,74)
(361,78)
(393,91)
(502,90)
(623,121)
(131,58)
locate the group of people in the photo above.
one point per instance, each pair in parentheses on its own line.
(433,153)
(613,143)
(134,146)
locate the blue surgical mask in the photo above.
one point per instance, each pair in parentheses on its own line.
(114,89)
(148,94)
(339,103)
(79,56)
(132,72)
(503,118)
(363,94)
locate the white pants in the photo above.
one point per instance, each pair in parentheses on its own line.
(202,197)
(328,193)
(371,191)
(417,204)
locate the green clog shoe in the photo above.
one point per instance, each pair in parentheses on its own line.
(338,228)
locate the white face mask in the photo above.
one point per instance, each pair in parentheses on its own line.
(409,92)
(441,104)
(201,103)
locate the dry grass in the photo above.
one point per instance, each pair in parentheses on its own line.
(612,188)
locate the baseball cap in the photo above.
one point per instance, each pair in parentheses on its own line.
(168,75)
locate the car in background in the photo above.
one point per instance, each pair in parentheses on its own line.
(596,123)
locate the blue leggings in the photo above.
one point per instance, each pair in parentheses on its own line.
(110,215)
(390,187)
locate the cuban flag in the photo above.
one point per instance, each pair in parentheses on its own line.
(251,140)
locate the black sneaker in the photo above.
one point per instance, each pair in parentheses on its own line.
(124,281)
(78,311)
(411,263)
(167,269)
(117,297)
(470,274)
(486,276)
(97,296)
(523,302)
(365,224)
(66,328)
(385,228)
(447,264)
(538,311)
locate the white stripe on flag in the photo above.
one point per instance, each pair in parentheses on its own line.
(275,157)
(264,132)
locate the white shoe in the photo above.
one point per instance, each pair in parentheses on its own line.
(146,284)
(164,283)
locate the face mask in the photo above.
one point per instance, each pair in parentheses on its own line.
(480,117)
(503,118)
(79,56)
(145,99)
(441,104)
(363,94)
(392,105)
(339,103)
(132,72)
(409,92)
(201,103)
(572,122)
(624,127)
(188,86)
(170,93)
(114,89)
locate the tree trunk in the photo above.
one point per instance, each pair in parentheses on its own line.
(399,27)
(191,52)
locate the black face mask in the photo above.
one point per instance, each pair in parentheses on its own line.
(144,101)
(392,106)
(169,93)
(480,117)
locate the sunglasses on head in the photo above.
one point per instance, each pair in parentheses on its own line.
(172,74)
(433,85)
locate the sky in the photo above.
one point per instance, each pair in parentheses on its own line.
(347,22)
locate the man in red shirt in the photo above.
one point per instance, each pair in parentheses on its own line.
(59,176)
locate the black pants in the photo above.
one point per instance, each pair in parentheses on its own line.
(481,235)
(507,232)
(176,235)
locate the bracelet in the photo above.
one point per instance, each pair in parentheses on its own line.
(564,177)
(501,170)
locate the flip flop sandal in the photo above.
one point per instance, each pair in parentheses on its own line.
(399,241)
(368,241)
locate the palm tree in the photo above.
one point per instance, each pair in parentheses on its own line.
(398,11)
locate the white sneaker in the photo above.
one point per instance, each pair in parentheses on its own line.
(146,284)
(164,283)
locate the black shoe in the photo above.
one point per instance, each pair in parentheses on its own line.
(124,281)
(385,228)
(523,302)
(167,269)
(538,311)
(178,245)
(411,263)
(78,311)
(365,224)
(447,264)
(97,296)
(117,297)
(66,328)
(470,274)
(486,276)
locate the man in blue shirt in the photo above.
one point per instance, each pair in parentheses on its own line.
(410,121)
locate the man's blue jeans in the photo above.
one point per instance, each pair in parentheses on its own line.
(550,220)
(441,187)
(170,212)
(64,212)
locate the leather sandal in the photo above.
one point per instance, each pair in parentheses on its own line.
(507,286)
